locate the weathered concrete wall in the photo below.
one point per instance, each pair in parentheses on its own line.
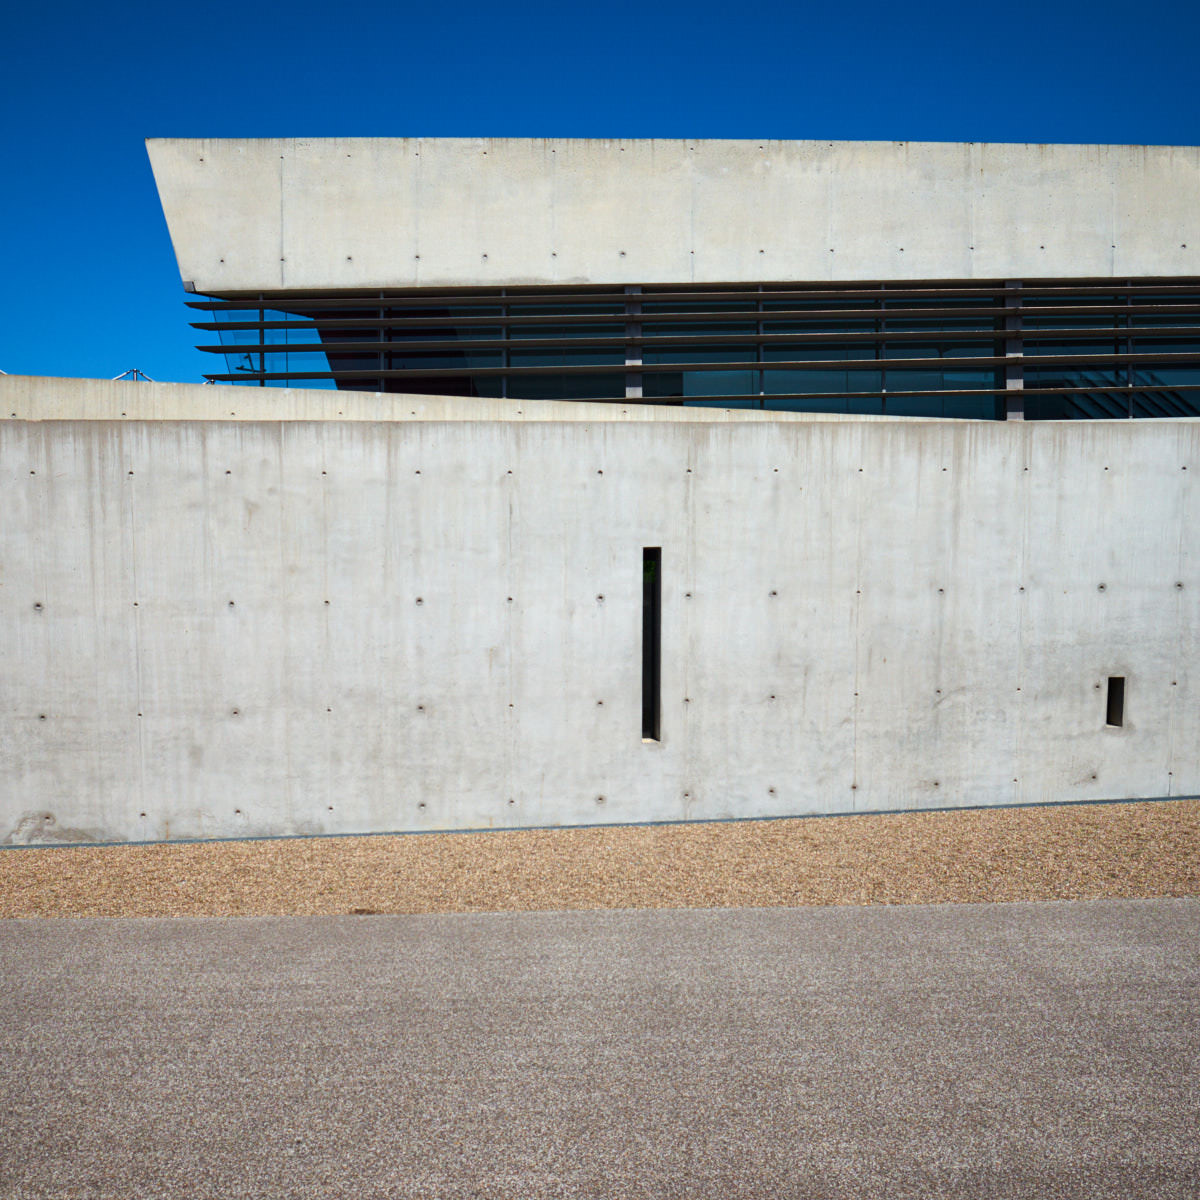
(36,398)
(263,214)
(243,627)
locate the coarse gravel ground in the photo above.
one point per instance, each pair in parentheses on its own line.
(1062,852)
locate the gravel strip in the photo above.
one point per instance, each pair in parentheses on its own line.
(1066,852)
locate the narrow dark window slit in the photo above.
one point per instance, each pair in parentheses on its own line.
(651,641)
(1116,701)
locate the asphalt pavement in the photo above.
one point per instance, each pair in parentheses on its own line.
(1014,1050)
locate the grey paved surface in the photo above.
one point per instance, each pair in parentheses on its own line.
(1008,1050)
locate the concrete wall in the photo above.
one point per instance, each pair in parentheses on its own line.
(250,214)
(36,398)
(223,627)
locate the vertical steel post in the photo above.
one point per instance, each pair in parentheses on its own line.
(633,352)
(1014,353)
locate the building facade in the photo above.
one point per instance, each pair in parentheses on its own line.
(981,281)
(620,481)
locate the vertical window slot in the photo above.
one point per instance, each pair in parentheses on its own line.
(1115,716)
(651,641)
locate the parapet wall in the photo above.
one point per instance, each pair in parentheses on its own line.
(230,627)
(264,214)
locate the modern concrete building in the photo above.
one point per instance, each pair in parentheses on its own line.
(620,481)
(886,278)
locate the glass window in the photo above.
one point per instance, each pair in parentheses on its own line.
(1106,345)
(567,387)
(803,404)
(1165,377)
(550,356)
(1075,377)
(447,360)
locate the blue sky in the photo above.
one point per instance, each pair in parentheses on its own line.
(91,286)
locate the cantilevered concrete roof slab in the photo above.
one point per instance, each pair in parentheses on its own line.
(250,215)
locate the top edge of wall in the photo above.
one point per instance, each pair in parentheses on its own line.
(45,398)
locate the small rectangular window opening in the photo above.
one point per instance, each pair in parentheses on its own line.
(651,641)
(1116,701)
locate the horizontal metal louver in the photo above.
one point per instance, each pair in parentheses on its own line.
(1062,348)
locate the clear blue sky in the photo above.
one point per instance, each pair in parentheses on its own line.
(90,283)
